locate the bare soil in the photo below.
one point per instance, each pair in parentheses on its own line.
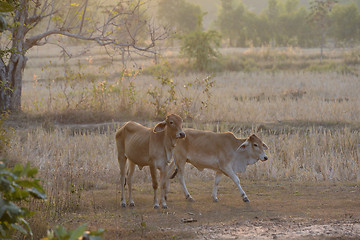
(277,210)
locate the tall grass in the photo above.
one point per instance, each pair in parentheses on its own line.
(73,165)
(74,162)
(235,96)
(96,88)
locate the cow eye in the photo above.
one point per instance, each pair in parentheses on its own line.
(171,122)
(255,145)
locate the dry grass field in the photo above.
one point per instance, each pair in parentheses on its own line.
(308,189)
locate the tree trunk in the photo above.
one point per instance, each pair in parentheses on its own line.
(12,73)
(5,90)
(11,83)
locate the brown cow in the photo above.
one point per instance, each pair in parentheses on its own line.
(147,147)
(222,152)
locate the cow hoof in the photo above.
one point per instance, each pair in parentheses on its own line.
(189,198)
(156,206)
(132,204)
(245,199)
(123,205)
(215,200)
(164,207)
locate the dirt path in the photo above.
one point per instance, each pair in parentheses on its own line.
(278,210)
(282,229)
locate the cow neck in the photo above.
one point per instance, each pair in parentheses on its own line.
(243,155)
(169,146)
(169,141)
(249,160)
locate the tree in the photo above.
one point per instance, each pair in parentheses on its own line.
(201,45)
(231,22)
(345,23)
(179,14)
(293,29)
(38,22)
(225,21)
(273,19)
(319,17)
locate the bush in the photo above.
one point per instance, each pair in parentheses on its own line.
(20,184)
(4,134)
(61,233)
(201,46)
(17,184)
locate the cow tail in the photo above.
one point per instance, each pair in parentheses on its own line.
(174,174)
(120,145)
(176,170)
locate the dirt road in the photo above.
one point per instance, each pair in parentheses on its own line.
(278,210)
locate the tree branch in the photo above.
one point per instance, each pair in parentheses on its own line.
(102,41)
(129,18)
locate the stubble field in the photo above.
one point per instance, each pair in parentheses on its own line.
(308,189)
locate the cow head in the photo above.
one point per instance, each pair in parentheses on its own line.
(173,123)
(254,147)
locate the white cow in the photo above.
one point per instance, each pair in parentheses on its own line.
(222,152)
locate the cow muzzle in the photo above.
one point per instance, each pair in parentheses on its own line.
(180,135)
(264,158)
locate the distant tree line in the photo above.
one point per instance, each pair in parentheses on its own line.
(282,23)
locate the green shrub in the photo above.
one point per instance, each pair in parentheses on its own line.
(61,233)
(4,134)
(201,46)
(17,184)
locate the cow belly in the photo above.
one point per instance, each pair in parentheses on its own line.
(141,162)
(201,163)
(138,158)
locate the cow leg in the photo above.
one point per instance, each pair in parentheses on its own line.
(155,185)
(170,171)
(182,183)
(130,178)
(122,163)
(163,184)
(217,180)
(229,172)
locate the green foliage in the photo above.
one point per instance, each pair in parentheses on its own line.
(179,14)
(345,23)
(5,7)
(61,233)
(287,23)
(225,21)
(232,22)
(17,184)
(201,46)
(319,18)
(4,133)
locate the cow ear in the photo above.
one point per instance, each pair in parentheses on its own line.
(265,147)
(159,127)
(243,146)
